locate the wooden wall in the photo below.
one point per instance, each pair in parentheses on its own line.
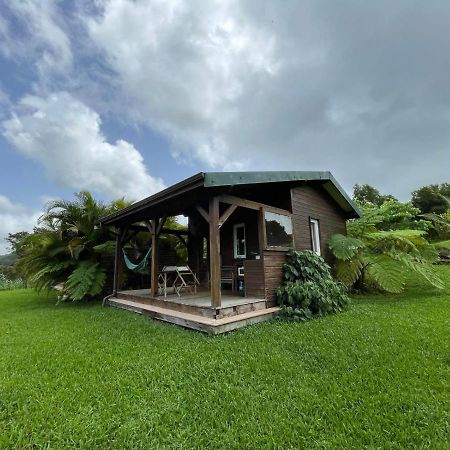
(314,202)
(273,272)
(254,278)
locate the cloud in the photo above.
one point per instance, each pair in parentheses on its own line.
(35,32)
(14,217)
(64,136)
(357,88)
(182,67)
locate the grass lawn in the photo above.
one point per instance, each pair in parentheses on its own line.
(376,376)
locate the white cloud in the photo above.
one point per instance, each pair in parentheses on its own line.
(64,135)
(14,217)
(352,87)
(41,38)
(182,66)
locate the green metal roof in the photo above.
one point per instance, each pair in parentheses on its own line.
(331,185)
(232,178)
(217,179)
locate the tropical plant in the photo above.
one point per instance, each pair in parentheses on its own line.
(64,248)
(67,248)
(370,257)
(391,215)
(308,288)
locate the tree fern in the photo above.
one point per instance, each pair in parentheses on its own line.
(348,271)
(384,258)
(86,280)
(386,273)
(345,247)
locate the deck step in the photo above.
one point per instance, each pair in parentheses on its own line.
(197,310)
(196,322)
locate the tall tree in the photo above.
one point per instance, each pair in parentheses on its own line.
(432,198)
(16,242)
(365,193)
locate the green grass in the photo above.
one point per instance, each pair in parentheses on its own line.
(85,376)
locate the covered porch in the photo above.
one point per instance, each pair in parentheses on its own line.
(195,311)
(235,264)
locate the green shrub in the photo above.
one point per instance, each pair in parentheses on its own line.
(308,288)
(7,284)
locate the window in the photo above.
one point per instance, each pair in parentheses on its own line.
(315,235)
(240,250)
(278,230)
(204,249)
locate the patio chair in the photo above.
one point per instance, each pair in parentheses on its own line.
(178,278)
(186,279)
(227,276)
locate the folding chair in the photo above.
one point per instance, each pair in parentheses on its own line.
(186,279)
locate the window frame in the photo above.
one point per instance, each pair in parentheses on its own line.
(276,247)
(314,228)
(235,242)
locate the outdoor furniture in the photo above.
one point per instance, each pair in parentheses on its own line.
(227,276)
(178,278)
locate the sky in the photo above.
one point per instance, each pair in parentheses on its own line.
(124,98)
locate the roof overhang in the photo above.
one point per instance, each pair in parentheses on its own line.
(208,182)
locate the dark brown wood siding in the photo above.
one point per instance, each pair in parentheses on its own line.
(273,271)
(254,278)
(314,202)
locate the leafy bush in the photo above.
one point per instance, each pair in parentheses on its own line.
(384,259)
(7,284)
(308,288)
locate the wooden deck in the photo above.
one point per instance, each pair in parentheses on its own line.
(195,311)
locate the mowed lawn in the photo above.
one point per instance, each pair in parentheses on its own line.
(376,376)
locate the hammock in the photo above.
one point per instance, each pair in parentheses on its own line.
(140,267)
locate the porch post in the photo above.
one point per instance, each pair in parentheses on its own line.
(116,262)
(154,262)
(214,248)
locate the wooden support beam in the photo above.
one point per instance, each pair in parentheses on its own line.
(127,239)
(203,213)
(163,230)
(244,203)
(116,262)
(149,225)
(154,262)
(123,233)
(160,225)
(214,248)
(227,214)
(174,232)
(261,233)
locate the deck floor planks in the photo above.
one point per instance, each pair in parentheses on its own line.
(194,321)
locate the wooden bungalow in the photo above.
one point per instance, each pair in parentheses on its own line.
(240,226)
